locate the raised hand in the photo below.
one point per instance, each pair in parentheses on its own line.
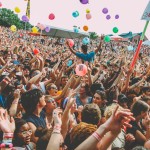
(6,125)
(57,113)
(119,119)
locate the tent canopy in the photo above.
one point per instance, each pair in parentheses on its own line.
(147,42)
(63,33)
(118,38)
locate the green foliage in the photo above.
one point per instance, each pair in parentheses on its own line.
(8,18)
(93,35)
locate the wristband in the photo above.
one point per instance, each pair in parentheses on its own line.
(6,145)
(97,136)
(4,80)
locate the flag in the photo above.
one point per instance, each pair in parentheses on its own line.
(28,9)
(146,14)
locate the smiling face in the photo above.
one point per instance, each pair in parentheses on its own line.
(24,134)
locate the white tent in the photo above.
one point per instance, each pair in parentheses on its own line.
(147,42)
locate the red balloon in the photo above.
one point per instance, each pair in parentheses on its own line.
(36,51)
(0,4)
(71,42)
(51,16)
(81,70)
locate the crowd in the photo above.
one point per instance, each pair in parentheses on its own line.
(45,105)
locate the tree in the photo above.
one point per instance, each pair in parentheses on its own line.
(93,35)
(8,18)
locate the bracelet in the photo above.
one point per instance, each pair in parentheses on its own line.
(6,145)
(97,136)
(4,80)
(15,102)
(56,133)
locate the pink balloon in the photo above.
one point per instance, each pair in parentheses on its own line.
(51,16)
(88,16)
(42,27)
(81,70)
(71,42)
(0,4)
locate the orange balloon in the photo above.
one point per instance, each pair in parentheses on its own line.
(85,28)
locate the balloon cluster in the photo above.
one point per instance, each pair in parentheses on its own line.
(105,11)
(88,14)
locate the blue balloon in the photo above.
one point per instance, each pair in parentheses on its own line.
(130,48)
(75,14)
(76,30)
(86,41)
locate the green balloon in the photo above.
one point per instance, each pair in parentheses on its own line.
(115,30)
(107,38)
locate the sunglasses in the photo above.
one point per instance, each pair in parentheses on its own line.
(50,101)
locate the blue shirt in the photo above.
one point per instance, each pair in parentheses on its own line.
(79,103)
(87,57)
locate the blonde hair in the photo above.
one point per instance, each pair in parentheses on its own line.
(110,109)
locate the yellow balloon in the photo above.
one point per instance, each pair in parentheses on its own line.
(13,28)
(34,29)
(17,9)
(87,11)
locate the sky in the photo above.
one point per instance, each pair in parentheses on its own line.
(129,11)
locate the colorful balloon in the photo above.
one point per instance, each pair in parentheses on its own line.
(86,41)
(51,16)
(34,29)
(0,4)
(108,17)
(25,18)
(36,51)
(75,14)
(117,17)
(76,30)
(17,9)
(87,11)
(13,28)
(71,42)
(88,16)
(84,1)
(81,70)
(85,28)
(107,38)
(47,29)
(105,10)
(41,26)
(115,30)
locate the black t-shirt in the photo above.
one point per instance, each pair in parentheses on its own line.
(135,127)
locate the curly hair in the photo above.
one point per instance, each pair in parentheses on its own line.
(80,133)
(91,114)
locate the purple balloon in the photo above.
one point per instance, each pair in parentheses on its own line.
(108,17)
(47,29)
(84,1)
(25,18)
(117,17)
(105,10)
